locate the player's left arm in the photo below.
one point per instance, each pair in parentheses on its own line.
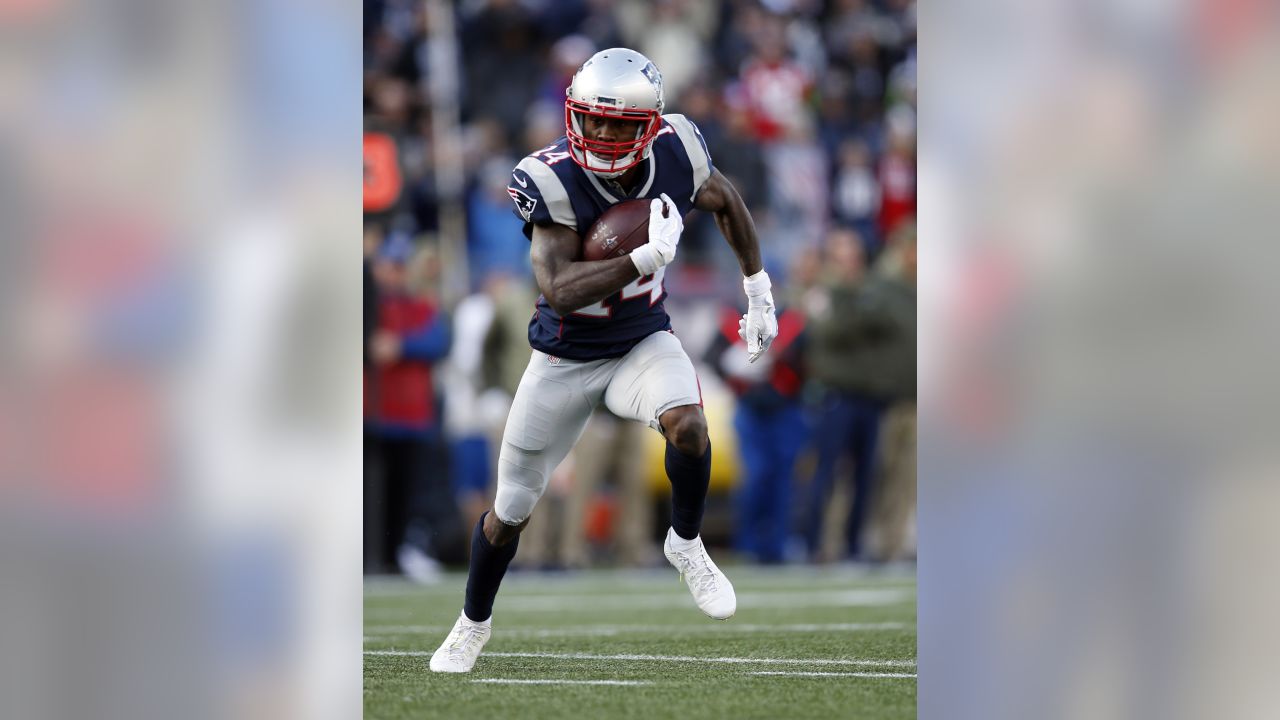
(718,196)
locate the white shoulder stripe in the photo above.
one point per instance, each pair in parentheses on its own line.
(552,191)
(693,148)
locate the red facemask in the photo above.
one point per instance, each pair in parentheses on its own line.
(613,156)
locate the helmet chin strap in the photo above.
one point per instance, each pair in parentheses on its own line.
(625,159)
(606,174)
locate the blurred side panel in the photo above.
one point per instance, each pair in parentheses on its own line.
(1099,465)
(179,415)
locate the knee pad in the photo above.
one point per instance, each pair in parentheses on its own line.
(519,489)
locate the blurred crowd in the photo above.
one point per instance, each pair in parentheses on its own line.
(809,108)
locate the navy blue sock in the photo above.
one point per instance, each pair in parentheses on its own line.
(488,565)
(689,477)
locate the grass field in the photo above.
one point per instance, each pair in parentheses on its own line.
(805,643)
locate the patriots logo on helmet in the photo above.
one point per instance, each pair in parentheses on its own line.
(650,71)
(524,203)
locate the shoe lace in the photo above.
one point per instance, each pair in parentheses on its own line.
(465,640)
(698,570)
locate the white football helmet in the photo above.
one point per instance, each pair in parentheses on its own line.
(614,83)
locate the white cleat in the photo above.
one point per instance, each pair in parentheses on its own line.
(711,589)
(459,652)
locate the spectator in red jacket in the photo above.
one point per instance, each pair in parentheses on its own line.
(898,171)
(770,422)
(411,516)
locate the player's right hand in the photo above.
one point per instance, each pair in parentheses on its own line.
(665,226)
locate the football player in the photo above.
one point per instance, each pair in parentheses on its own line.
(600,333)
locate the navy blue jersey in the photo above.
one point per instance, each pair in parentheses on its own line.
(548,187)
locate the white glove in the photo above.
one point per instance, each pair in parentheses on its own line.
(759,326)
(664,235)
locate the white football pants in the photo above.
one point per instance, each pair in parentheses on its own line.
(556,397)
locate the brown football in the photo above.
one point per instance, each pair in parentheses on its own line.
(621,229)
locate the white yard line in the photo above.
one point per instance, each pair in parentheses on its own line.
(668,658)
(612,630)
(730,660)
(502,681)
(788,673)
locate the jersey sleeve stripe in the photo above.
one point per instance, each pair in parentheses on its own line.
(552,191)
(693,148)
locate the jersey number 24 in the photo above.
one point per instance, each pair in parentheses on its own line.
(648,286)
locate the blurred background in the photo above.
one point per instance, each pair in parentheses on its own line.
(809,108)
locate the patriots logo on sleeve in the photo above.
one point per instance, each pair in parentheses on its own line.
(524,203)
